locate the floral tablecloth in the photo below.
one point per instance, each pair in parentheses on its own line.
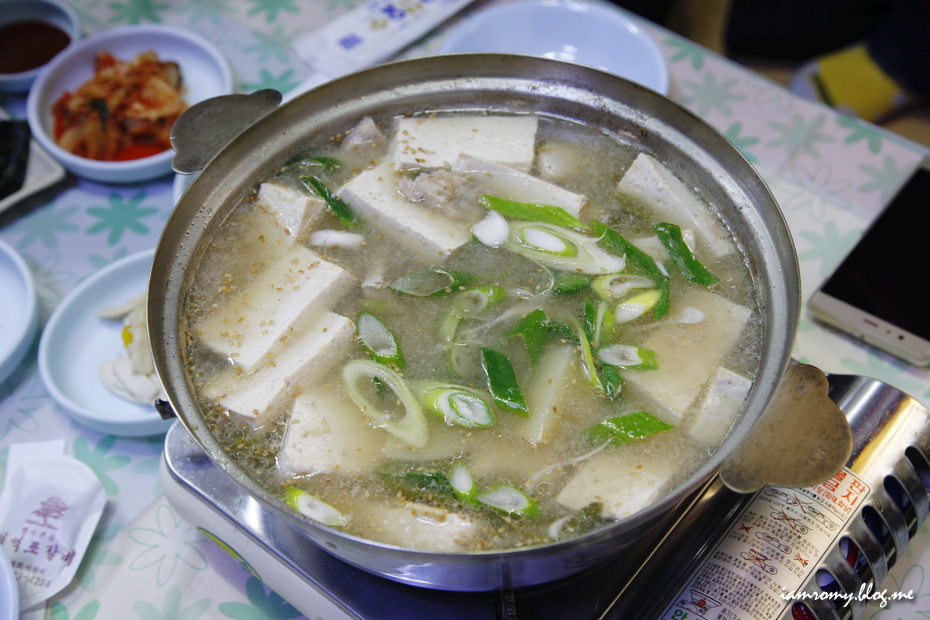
(831,174)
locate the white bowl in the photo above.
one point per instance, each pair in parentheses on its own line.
(52,11)
(204,71)
(75,342)
(585,33)
(19,310)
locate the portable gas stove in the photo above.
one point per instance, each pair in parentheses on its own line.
(667,575)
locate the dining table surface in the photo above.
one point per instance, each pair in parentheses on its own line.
(831,175)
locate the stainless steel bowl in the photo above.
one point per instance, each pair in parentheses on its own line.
(696,152)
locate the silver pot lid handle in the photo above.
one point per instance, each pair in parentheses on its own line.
(802,438)
(204,129)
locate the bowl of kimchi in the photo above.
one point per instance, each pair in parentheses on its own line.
(104,108)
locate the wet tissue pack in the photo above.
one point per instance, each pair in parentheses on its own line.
(49,510)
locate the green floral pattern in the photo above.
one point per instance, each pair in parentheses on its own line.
(830,174)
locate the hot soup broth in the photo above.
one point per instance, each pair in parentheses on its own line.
(451,352)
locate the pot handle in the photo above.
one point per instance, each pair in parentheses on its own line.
(801,439)
(204,129)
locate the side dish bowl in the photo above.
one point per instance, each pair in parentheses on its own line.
(54,12)
(204,71)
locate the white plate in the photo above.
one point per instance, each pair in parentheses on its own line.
(586,33)
(76,341)
(9,591)
(19,310)
(41,171)
(204,71)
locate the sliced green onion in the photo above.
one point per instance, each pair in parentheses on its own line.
(456,404)
(636,306)
(587,361)
(510,500)
(590,319)
(569,282)
(561,248)
(465,357)
(612,381)
(613,241)
(378,340)
(418,481)
(562,332)
(557,216)
(469,304)
(325,163)
(626,428)
(312,507)
(461,481)
(604,324)
(618,285)
(432,281)
(628,356)
(341,210)
(411,428)
(535,331)
(682,256)
(502,381)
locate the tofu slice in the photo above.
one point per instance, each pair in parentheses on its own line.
(256,318)
(437,142)
(294,211)
(718,406)
(416,526)
(624,480)
(688,353)
(309,355)
(544,394)
(375,197)
(326,433)
(650,182)
(512,184)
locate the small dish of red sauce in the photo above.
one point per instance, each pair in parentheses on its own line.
(32,32)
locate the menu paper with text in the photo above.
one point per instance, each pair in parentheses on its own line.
(771,550)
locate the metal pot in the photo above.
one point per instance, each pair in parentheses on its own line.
(701,156)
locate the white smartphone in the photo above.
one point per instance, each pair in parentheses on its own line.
(878,293)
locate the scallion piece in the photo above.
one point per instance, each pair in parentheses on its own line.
(411,428)
(682,257)
(378,340)
(507,499)
(432,281)
(418,481)
(590,319)
(557,216)
(341,210)
(456,404)
(561,248)
(325,163)
(313,507)
(618,285)
(625,428)
(636,306)
(469,304)
(612,382)
(614,242)
(462,483)
(535,331)
(587,361)
(571,282)
(628,356)
(604,324)
(502,381)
